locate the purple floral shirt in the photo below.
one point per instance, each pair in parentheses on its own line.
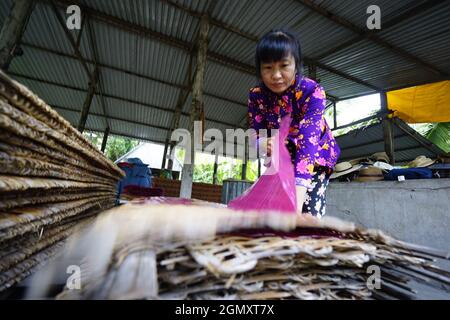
(309,131)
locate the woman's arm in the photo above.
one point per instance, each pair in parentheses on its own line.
(257,121)
(310,131)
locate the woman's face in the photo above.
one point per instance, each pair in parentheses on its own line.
(279,75)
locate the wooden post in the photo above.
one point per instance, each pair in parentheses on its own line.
(196,107)
(259,167)
(244,163)
(312,71)
(334,115)
(12,31)
(166,147)
(87,102)
(216,166)
(182,97)
(175,124)
(105,139)
(388,130)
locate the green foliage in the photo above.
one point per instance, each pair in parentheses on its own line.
(440,136)
(437,133)
(116,146)
(94,137)
(225,170)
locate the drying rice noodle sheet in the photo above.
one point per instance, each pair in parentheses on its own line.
(32,167)
(23,243)
(275,189)
(12,116)
(21,200)
(22,184)
(22,98)
(23,220)
(37,242)
(29,266)
(24,147)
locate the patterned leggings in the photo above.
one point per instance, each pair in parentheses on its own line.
(315,202)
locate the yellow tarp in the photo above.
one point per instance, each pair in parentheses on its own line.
(425,103)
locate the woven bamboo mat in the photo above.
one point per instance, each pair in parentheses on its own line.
(198,251)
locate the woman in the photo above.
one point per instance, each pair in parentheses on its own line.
(284,90)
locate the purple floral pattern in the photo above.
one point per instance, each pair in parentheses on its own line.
(314,142)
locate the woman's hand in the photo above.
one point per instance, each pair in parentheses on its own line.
(301,194)
(265,146)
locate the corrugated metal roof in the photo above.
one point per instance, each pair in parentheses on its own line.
(130,60)
(355,11)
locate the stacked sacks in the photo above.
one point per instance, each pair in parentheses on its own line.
(51,179)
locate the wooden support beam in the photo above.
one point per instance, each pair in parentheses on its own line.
(216,166)
(388,130)
(245,161)
(196,107)
(80,33)
(105,139)
(87,103)
(312,71)
(259,167)
(334,116)
(72,41)
(12,31)
(182,97)
(93,45)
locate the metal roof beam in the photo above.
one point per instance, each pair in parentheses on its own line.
(214,22)
(174,42)
(113,118)
(102,65)
(148,33)
(117,98)
(409,13)
(12,31)
(73,42)
(93,44)
(370,36)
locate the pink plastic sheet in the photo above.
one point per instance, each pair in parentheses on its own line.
(275,189)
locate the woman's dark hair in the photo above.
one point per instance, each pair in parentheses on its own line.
(274,46)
